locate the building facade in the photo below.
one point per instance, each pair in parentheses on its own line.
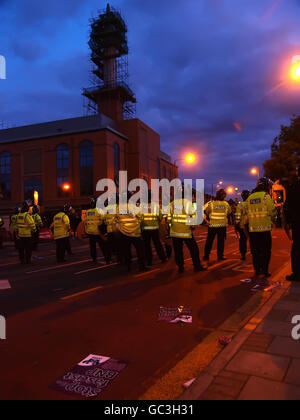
(78,152)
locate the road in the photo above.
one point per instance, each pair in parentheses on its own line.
(58,315)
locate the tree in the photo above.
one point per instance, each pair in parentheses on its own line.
(285,153)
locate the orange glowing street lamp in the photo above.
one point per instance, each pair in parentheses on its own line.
(295,69)
(66,187)
(230,190)
(190,158)
(255,171)
(36,198)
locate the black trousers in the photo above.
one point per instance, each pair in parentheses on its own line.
(212,233)
(25,250)
(35,240)
(150,236)
(61,245)
(126,242)
(68,245)
(243,241)
(296,249)
(114,243)
(193,248)
(104,246)
(261,249)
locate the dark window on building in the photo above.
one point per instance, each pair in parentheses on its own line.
(117,165)
(158,168)
(30,186)
(62,167)
(5,173)
(164,172)
(86,168)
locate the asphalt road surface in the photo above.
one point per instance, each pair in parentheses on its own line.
(58,315)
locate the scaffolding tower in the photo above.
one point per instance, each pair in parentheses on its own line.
(109,92)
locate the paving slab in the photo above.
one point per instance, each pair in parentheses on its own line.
(293,376)
(285,346)
(260,389)
(275,328)
(288,306)
(259,364)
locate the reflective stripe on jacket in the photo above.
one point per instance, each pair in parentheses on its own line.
(217,212)
(181,213)
(61,224)
(110,217)
(25,225)
(129,224)
(92,221)
(152,219)
(261,212)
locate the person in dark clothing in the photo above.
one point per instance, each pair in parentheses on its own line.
(292,223)
(240,224)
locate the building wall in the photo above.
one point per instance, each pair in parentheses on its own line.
(37,158)
(140,155)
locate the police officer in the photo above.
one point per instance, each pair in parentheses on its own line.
(181,232)
(292,222)
(38,224)
(112,233)
(129,228)
(61,231)
(150,231)
(217,213)
(93,223)
(240,224)
(260,214)
(25,230)
(13,226)
(1,239)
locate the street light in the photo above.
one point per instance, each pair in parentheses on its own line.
(190,158)
(66,187)
(230,190)
(295,69)
(255,171)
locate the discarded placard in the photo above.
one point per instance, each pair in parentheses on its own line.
(4,285)
(246,281)
(90,377)
(175,315)
(224,341)
(189,383)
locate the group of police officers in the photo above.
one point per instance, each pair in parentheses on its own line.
(116,233)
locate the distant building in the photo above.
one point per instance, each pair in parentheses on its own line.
(81,151)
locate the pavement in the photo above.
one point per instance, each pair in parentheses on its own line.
(59,314)
(263,360)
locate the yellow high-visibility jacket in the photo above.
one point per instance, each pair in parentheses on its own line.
(110,218)
(218,212)
(14,222)
(25,225)
(179,226)
(151,221)
(37,220)
(61,224)
(92,221)
(261,212)
(129,224)
(240,214)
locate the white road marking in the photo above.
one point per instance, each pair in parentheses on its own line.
(57,267)
(147,273)
(95,269)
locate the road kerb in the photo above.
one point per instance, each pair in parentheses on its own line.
(205,379)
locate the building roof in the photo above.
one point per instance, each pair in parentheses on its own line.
(57,128)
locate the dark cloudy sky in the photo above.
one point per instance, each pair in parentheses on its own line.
(210,75)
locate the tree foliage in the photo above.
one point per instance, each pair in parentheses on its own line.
(285,153)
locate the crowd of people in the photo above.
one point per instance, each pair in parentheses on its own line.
(116,233)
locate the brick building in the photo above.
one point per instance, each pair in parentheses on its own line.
(79,151)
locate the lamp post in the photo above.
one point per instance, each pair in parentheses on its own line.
(255,171)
